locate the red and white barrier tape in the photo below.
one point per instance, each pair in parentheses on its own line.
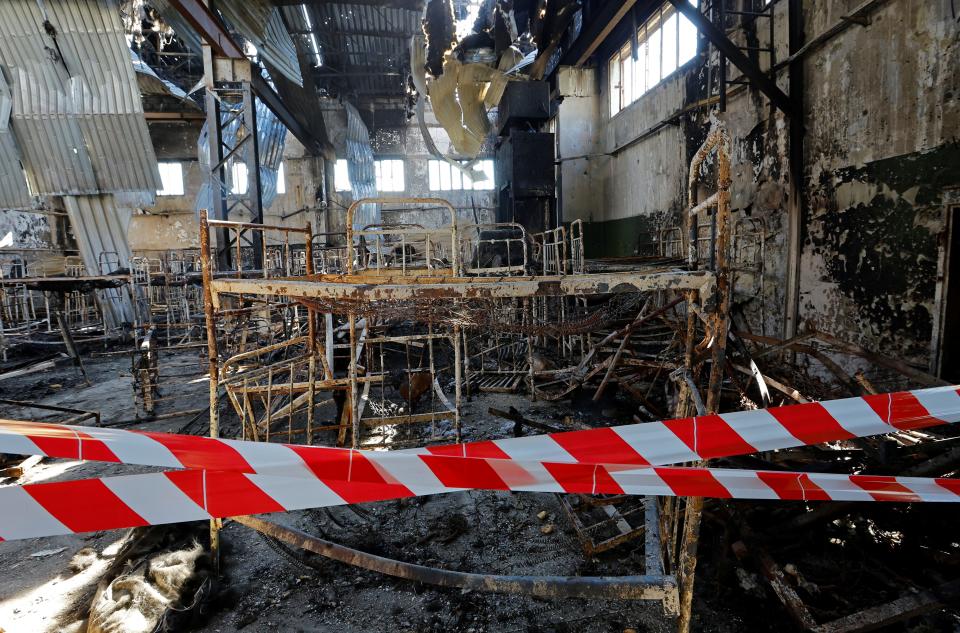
(228,477)
(48,509)
(653,443)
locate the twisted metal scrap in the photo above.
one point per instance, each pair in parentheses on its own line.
(477,314)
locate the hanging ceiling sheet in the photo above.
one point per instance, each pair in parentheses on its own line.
(13,186)
(100,227)
(77,116)
(257,20)
(361,168)
(260,22)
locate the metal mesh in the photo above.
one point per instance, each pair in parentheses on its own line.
(478,313)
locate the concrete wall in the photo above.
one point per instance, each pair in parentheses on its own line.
(882,150)
(171,223)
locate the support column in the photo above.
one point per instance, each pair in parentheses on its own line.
(232,138)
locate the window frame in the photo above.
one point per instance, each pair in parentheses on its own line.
(627,79)
(235,181)
(163,185)
(281,179)
(454,178)
(380,177)
(337,183)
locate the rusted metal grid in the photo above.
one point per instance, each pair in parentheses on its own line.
(409,288)
(33,294)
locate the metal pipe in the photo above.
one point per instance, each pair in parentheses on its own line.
(598,587)
(206,263)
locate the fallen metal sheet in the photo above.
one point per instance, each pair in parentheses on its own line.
(605,523)
(100,227)
(77,115)
(13,186)
(360,165)
(260,22)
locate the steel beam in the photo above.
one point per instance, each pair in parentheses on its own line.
(355,32)
(599,28)
(212,30)
(208,26)
(410,5)
(795,207)
(751,71)
(273,101)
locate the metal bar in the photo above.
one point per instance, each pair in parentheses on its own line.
(206,262)
(216,175)
(795,208)
(81,413)
(252,161)
(69,343)
(372,288)
(273,101)
(208,26)
(599,28)
(909,606)
(212,30)
(259,227)
(719,39)
(610,587)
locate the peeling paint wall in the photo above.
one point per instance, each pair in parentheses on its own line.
(27,237)
(882,151)
(882,148)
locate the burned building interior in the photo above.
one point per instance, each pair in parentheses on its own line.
(479,315)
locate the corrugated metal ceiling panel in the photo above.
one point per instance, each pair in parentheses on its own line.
(100,226)
(356,56)
(261,23)
(77,114)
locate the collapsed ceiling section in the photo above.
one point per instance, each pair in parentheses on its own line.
(76,123)
(71,102)
(470,49)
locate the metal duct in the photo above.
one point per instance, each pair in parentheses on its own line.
(100,227)
(76,111)
(360,167)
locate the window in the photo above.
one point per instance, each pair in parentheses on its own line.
(341,175)
(446,177)
(389,174)
(281,180)
(238,175)
(171,177)
(665,42)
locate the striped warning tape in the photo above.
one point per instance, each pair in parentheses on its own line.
(228,477)
(653,443)
(85,505)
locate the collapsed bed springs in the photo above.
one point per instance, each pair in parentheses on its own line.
(441,311)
